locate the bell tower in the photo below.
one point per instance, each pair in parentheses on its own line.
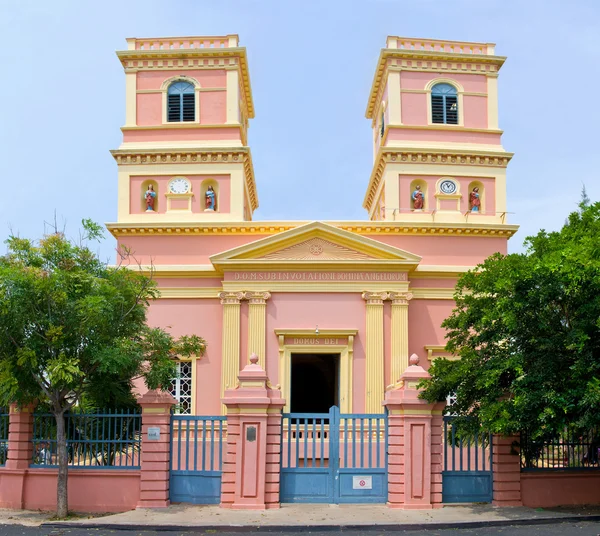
(184,156)
(437,149)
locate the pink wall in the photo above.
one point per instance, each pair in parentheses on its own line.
(414,109)
(202,317)
(137,190)
(307,310)
(424,320)
(544,490)
(101,490)
(167,249)
(182,134)
(472,83)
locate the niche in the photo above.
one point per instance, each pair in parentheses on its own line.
(209,195)
(149,202)
(418,202)
(476,198)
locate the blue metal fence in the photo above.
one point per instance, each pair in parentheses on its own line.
(333,457)
(467,474)
(197,450)
(94,440)
(4,417)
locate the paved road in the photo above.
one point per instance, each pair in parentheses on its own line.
(556,529)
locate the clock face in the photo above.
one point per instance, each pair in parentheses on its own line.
(448,187)
(179,186)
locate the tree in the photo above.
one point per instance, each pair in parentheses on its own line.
(527,330)
(72,327)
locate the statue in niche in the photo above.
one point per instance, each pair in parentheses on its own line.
(417,197)
(475,200)
(150,197)
(210,199)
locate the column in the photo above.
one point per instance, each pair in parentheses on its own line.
(257,316)
(374,351)
(155,454)
(233,96)
(506,466)
(414,444)
(251,467)
(230,351)
(399,333)
(20,453)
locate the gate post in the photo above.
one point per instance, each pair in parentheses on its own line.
(155,455)
(20,455)
(506,467)
(414,444)
(251,466)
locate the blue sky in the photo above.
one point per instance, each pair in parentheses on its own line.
(63,91)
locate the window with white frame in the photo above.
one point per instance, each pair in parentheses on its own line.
(444,104)
(181,388)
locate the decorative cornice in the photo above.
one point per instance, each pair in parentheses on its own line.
(257,298)
(186,156)
(231,298)
(191,58)
(421,60)
(375,298)
(388,155)
(476,229)
(400,298)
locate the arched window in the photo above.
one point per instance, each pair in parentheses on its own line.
(444,104)
(181,102)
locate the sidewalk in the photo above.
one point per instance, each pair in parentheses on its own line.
(303,517)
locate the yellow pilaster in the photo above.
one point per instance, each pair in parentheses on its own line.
(257,313)
(374,351)
(230,350)
(399,333)
(233,97)
(130,99)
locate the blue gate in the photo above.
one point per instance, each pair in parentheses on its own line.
(334,458)
(467,474)
(197,448)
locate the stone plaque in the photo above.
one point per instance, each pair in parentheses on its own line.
(153,433)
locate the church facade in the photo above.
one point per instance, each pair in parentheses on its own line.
(332,309)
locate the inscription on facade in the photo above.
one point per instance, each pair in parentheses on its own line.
(316,276)
(314,340)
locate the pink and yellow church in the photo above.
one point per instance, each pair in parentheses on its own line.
(332,309)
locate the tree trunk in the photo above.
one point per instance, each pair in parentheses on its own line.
(62,505)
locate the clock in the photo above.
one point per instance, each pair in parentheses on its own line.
(179,186)
(447,187)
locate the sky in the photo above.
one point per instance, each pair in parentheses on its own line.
(63,95)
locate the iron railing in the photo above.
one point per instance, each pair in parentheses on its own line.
(569,450)
(110,439)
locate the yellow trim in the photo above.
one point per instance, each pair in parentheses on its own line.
(157,411)
(189,292)
(415,412)
(436,350)
(346,362)
(433,293)
(130,99)
(399,335)
(257,322)
(442,126)
(283,286)
(230,350)
(374,353)
(492,103)
(178,125)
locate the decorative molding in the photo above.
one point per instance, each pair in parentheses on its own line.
(257,297)
(435,350)
(433,293)
(400,298)
(317,249)
(190,292)
(179,156)
(375,298)
(192,59)
(231,298)
(389,155)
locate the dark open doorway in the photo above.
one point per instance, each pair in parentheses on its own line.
(315,382)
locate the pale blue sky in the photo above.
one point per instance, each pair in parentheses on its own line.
(63,94)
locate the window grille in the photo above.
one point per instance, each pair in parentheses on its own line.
(181,102)
(444,104)
(181,388)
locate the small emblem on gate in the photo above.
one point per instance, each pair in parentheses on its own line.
(362,482)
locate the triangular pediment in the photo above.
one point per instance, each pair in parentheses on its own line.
(315,243)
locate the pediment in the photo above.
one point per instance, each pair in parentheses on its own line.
(315,243)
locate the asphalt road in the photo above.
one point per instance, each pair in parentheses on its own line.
(556,529)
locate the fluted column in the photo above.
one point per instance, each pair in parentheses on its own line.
(230,351)
(374,351)
(399,333)
(257,313)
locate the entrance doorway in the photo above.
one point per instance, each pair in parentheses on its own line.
(315,382)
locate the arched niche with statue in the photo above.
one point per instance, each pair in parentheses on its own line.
(418,195)
(149,196)
(476,197)
(209,195)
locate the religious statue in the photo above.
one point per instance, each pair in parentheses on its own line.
(475,200)
(417,197)
(210,199)
(150,198)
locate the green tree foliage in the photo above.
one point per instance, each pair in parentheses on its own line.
(527,330)
(73,328)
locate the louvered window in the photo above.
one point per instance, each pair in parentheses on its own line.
(181,102)
(444,104)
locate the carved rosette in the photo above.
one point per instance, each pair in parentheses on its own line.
(231,298)
(400,298)
(375,298)
(257,298)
